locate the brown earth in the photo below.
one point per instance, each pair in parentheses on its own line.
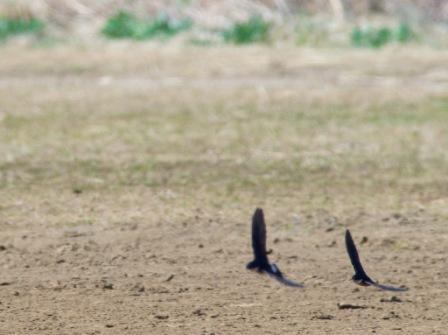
(129,176)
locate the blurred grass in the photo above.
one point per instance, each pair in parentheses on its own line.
(126,25)
(317,144)
(312,33)
(18,26)
(306,23)
(227,144)
(253,30)
(376,37)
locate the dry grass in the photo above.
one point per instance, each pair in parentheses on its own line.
(352,124)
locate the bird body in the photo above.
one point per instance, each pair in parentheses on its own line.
(261,262)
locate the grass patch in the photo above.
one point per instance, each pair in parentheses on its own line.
(158,143)
(254,30)
(226,143)
(17,26)
(126,25)
(373,37)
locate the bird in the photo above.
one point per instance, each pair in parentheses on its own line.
(261,262)
(360,277)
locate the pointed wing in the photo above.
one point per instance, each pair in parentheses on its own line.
(354,257)
(359,271)
(389,288)
(275,273)
(259,237)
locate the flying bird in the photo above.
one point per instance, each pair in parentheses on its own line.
(261,261)
(360,277)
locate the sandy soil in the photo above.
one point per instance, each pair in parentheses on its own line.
(135,273)
(166,259)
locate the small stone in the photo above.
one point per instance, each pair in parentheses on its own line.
(139,288)
(108,286)
(199,312)
(162,317)
(77,190)
(323,317)
(391,299)
(350,306)
(332,244)
(391,315)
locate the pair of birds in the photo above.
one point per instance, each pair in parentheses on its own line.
(262,265)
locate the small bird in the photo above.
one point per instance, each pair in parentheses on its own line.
(261,262)
(360,277)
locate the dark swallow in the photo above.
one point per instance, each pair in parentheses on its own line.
(261,261)
(360,277)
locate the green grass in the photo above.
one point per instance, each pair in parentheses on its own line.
(376,37)
(254,30)
(17,26)
(126,25)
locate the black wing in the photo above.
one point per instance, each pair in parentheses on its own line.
(360,274)
(259,238)
(275,273)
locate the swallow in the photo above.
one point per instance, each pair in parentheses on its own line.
(360,277)
(261,262)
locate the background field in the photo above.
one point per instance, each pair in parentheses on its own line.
(129,174)
(361,23)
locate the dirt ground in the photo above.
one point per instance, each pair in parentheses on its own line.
(129,174)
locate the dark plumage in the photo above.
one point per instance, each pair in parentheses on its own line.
(360,277)
(261,261)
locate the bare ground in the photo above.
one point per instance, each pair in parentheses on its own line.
(129,175)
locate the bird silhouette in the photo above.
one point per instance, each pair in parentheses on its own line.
(360,277)
(261,262)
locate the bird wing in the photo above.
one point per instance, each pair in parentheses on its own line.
(259,237)
(275,273)
(354,257)
(260,253)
